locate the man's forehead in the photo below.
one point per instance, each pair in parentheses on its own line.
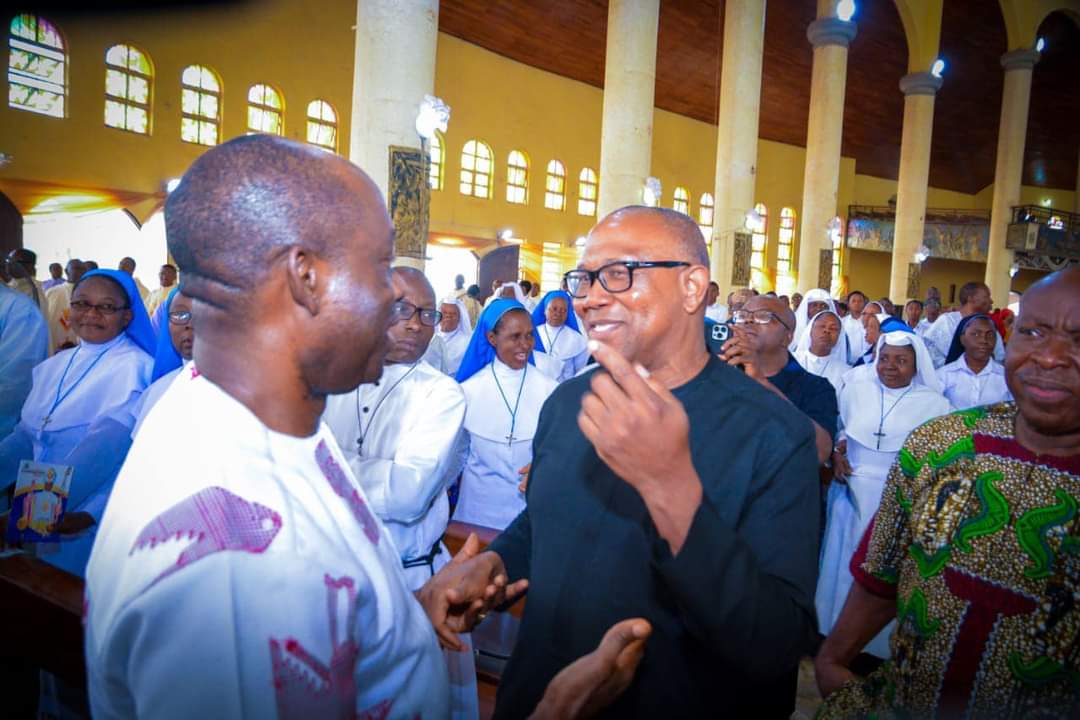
(1057,303)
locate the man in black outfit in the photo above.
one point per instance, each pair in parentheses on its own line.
(669,486)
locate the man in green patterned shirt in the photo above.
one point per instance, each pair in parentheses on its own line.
(976,548)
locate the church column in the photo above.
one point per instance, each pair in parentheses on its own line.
(737,133)
(1012,131)
(394,68)
(629,85)
(830,37)
(919,90)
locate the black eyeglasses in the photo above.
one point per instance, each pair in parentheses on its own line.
(615,277)
(180,317)
(403,311)
(81,307)
(758,317)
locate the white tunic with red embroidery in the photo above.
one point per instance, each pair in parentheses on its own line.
(239,573)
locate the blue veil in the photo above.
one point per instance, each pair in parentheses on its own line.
(480,353)
(539,315)
(138,329)
(893,325)
(166,358)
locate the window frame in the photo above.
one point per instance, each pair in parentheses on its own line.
(703,206)
(469,173)
(318,121)
(588,192)
(202,120)
(680,196)
(265,109)
(517,193)
(555,186)
(36,83)
(760,249)
(436,161)
(127,102)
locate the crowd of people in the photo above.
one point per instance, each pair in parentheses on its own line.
(694,494)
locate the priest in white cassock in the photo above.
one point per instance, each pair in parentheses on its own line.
(504,392)
(402,437)
(24,342)
(971,377)
(559,334)
(821,350)
(974,299)
(82,406)
(239,570)
(878,409)
(455,329)
(58,308)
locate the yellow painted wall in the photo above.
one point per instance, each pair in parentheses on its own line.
(507,104)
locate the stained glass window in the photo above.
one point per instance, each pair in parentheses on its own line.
(705,215)
(476,169)
(681,200)
(785,247)
(322,125)
(437,154)
(37,66)
(758,242)
(200,102)
(588,190)
(517,177)
(837,251)
(266,110)
(129,82)
(555,188)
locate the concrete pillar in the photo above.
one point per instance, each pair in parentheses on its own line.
(629,85)
(394,68)
(737,130)
(919,90)
(830,37)
(1012,131)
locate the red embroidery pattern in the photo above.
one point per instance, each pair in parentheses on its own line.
(304,686)
(216,520)
(347,491)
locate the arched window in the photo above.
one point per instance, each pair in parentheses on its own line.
(705,215)
(322,125)
(837,236)
(476,169)
(200,101)
(759,240)
(785,247)
(266,110)
(588,190)
(437,155)
(37,66)
(681,200)
(129,83)
(517,177)
(555,188)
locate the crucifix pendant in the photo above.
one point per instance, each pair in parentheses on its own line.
(879,435)
(510,439)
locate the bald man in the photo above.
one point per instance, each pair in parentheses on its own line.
(975,543)
(248,576)
(667,485)
(759,345)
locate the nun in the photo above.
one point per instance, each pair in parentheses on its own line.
(878,409)
(82,405)
(504,393)
(821,350)
(559,334)
(815,301)
(454,332)
(175,345)
(971,376)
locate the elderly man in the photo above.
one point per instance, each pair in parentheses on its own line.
(61,331)
(666,485)
(974,547)
(247,576)
(759,345)
(974,298)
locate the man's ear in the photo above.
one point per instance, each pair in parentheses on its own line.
(303,278)
(695,286)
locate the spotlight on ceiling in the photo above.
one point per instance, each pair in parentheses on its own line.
(938,68)
(845,10)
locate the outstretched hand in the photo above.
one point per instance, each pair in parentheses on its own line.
(469,586)
(591,683)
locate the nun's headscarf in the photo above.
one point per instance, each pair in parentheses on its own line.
(802,319)
(479,354)
(519,294)
(138,330)
(925,373)
(167,358)
(839,349)
(956,348)
(464,324)
(539,314)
